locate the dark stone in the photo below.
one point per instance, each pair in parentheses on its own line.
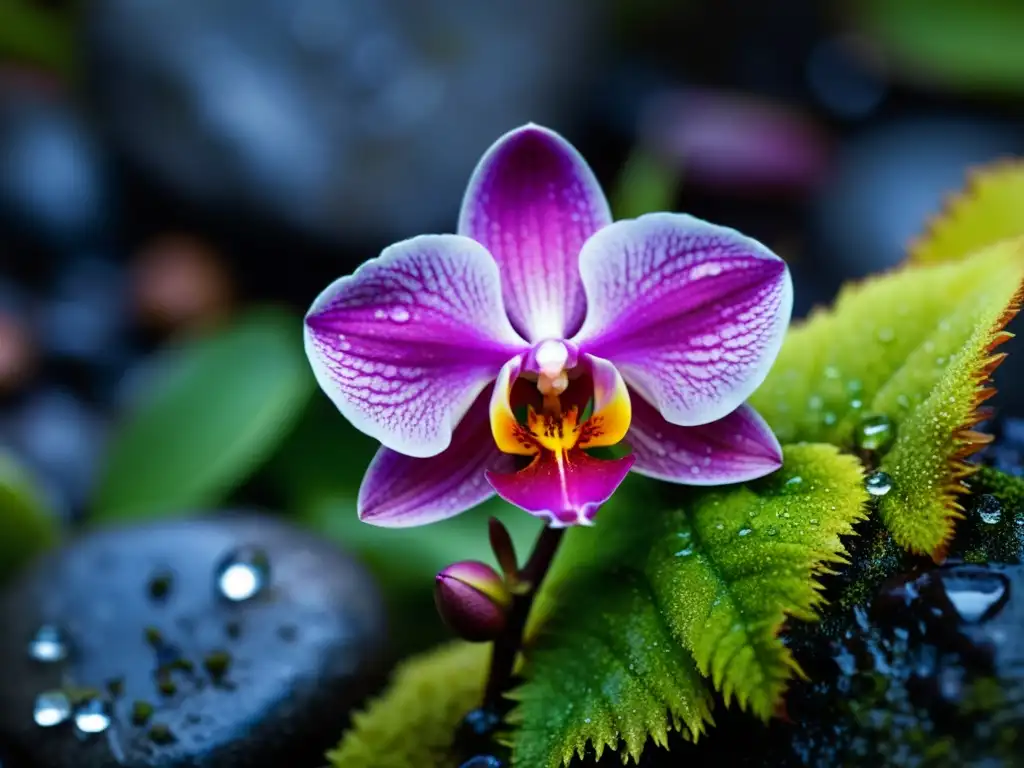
(54,185)
(187,676)
(357,119)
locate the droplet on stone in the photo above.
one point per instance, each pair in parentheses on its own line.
(51,708)
(49,644)
(92,716)
(243,574)
(875,432)
(989,509)
(976,595)
(483,761)
(878,483)
(160,584)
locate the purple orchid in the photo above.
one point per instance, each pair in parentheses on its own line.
(544,330)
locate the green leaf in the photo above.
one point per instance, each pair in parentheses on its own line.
(645,604)
(412,724)
(986,211)
(913,346)
(969,45)
(648,183)
(220,409)
(27,526)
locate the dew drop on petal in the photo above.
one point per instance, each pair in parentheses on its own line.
(878,483)
(400,315)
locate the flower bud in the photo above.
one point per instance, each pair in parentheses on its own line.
(473,600)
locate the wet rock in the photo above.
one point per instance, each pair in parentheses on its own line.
(891,180)
(54,186)
(228,642)
(358,119)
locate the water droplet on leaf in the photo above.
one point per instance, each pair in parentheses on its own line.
(878,483)
(875,432)
(989,509)
(243,574)
(51,708)
(745,531)
(49,644)
(772,531)
(686,552)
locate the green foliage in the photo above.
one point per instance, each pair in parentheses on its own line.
(913,346)
(964,44)
(219,408)
(412,724)
(986,211)
(27,527)
(637,614)
(39,34)
(648,183)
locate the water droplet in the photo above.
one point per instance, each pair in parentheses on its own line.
(976,595)
(720,526)
(243,573)
(92,716)
(831,372)
(400,315)
(586,720)
(379,314)
(160,584)
(160,733)
(813,521)
(685,552)
(49,644)
(989,509)
(794,482)
(829,419)
(217,664)
(856,404)
(878,483)
(483,761)
(141,712)
(51,708)
(885,335)
(815,402)
(772,531)
(875,432)
(745,531)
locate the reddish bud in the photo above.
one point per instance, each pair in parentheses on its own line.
(473,600)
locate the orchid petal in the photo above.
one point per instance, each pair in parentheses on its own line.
(400,491)
(533,202)
(404,345)
(563,488)
(734,449)
(693,314)
(609,422)
(506,432)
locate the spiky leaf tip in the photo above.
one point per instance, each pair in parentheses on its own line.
(649,603)
(928,459)
(411,725)
(988,209)
(915,347)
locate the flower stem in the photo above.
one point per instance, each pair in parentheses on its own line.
(508,644)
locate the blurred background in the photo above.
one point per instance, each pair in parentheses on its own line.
(180,178)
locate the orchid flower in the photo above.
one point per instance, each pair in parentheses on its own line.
(495,360)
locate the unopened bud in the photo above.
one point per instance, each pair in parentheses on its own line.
(473,600)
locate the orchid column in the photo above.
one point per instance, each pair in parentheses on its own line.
(494,360)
